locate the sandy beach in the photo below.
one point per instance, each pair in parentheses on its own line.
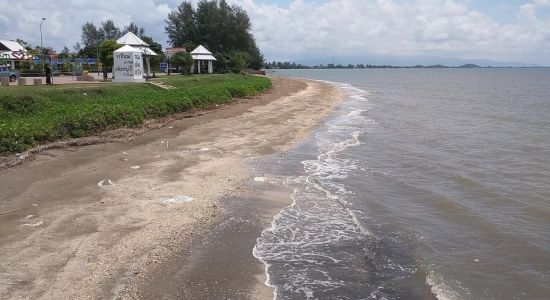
(135,218)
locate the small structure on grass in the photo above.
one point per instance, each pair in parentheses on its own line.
(128,65)
(202,60)
(134,41)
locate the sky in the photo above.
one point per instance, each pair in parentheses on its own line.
(513,30)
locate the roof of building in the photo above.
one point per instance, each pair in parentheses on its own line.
(12,50)
(131,39)
(201,53)
(147,51)
(201,50)
(11,46)
(128,48)
(202,57)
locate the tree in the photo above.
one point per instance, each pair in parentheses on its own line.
(218,26)
(181,25)
(91,38)
(25,44)
(133,28)
(255,58)
(157,48)
(109,30)
(106,50)
(239,62)
(77,48)
(65,53)
(182,60)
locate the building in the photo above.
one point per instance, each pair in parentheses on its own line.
(11,52)
(130,39)
(128,64)
(202,60)
(171,51)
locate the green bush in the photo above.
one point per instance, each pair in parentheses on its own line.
(32,115)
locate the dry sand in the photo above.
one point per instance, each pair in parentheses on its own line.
(62,236)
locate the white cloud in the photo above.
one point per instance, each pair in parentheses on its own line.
(64,21)
(308,29)
(542,2)
(422,27)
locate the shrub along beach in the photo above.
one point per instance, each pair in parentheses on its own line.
(34,115)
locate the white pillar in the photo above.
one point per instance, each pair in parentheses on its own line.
(12,64)
(210,69)
(199,70)
(148,65)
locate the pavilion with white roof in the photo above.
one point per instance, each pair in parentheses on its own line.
(202,60)
(134,41)
(12,51)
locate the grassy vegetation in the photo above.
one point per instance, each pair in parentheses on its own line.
(31,115)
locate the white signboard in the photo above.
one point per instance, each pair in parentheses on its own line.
(128,65)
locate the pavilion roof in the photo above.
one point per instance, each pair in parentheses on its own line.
(131,39)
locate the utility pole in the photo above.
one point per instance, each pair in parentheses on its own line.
(97,60)
(41,46)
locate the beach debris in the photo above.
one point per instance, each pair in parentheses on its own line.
(125,153)
(260,179)
(10,211)
(166,144)
(170,127)
(105,182)
(178,199)
(157,156)
(203,149)
(33,224)
(29,217)
(135,167)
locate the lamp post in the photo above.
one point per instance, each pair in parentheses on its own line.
(41,46)
(97,60)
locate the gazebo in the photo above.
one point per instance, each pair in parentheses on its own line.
(134,41)
(202,60)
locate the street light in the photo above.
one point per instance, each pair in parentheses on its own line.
(41,46)
(97,60)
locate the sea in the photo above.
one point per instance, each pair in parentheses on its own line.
(422,184)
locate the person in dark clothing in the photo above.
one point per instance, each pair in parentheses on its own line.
(48,74)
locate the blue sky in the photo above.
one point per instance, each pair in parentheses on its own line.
(514,30)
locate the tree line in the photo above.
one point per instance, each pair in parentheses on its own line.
(222,28)
(293,65)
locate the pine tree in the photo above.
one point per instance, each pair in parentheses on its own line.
(221,28)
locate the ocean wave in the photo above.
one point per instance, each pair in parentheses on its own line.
(309,241)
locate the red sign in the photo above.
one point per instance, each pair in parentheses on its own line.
(18,54)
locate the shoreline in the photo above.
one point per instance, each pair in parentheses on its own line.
(70,238)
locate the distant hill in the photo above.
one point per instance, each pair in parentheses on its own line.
(432,61)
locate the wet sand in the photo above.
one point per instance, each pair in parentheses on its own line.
(64,237)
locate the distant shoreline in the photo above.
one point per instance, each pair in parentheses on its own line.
(353,67)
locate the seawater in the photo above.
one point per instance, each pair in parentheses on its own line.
(422,184)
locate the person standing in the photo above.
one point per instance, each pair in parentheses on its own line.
(48,74)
